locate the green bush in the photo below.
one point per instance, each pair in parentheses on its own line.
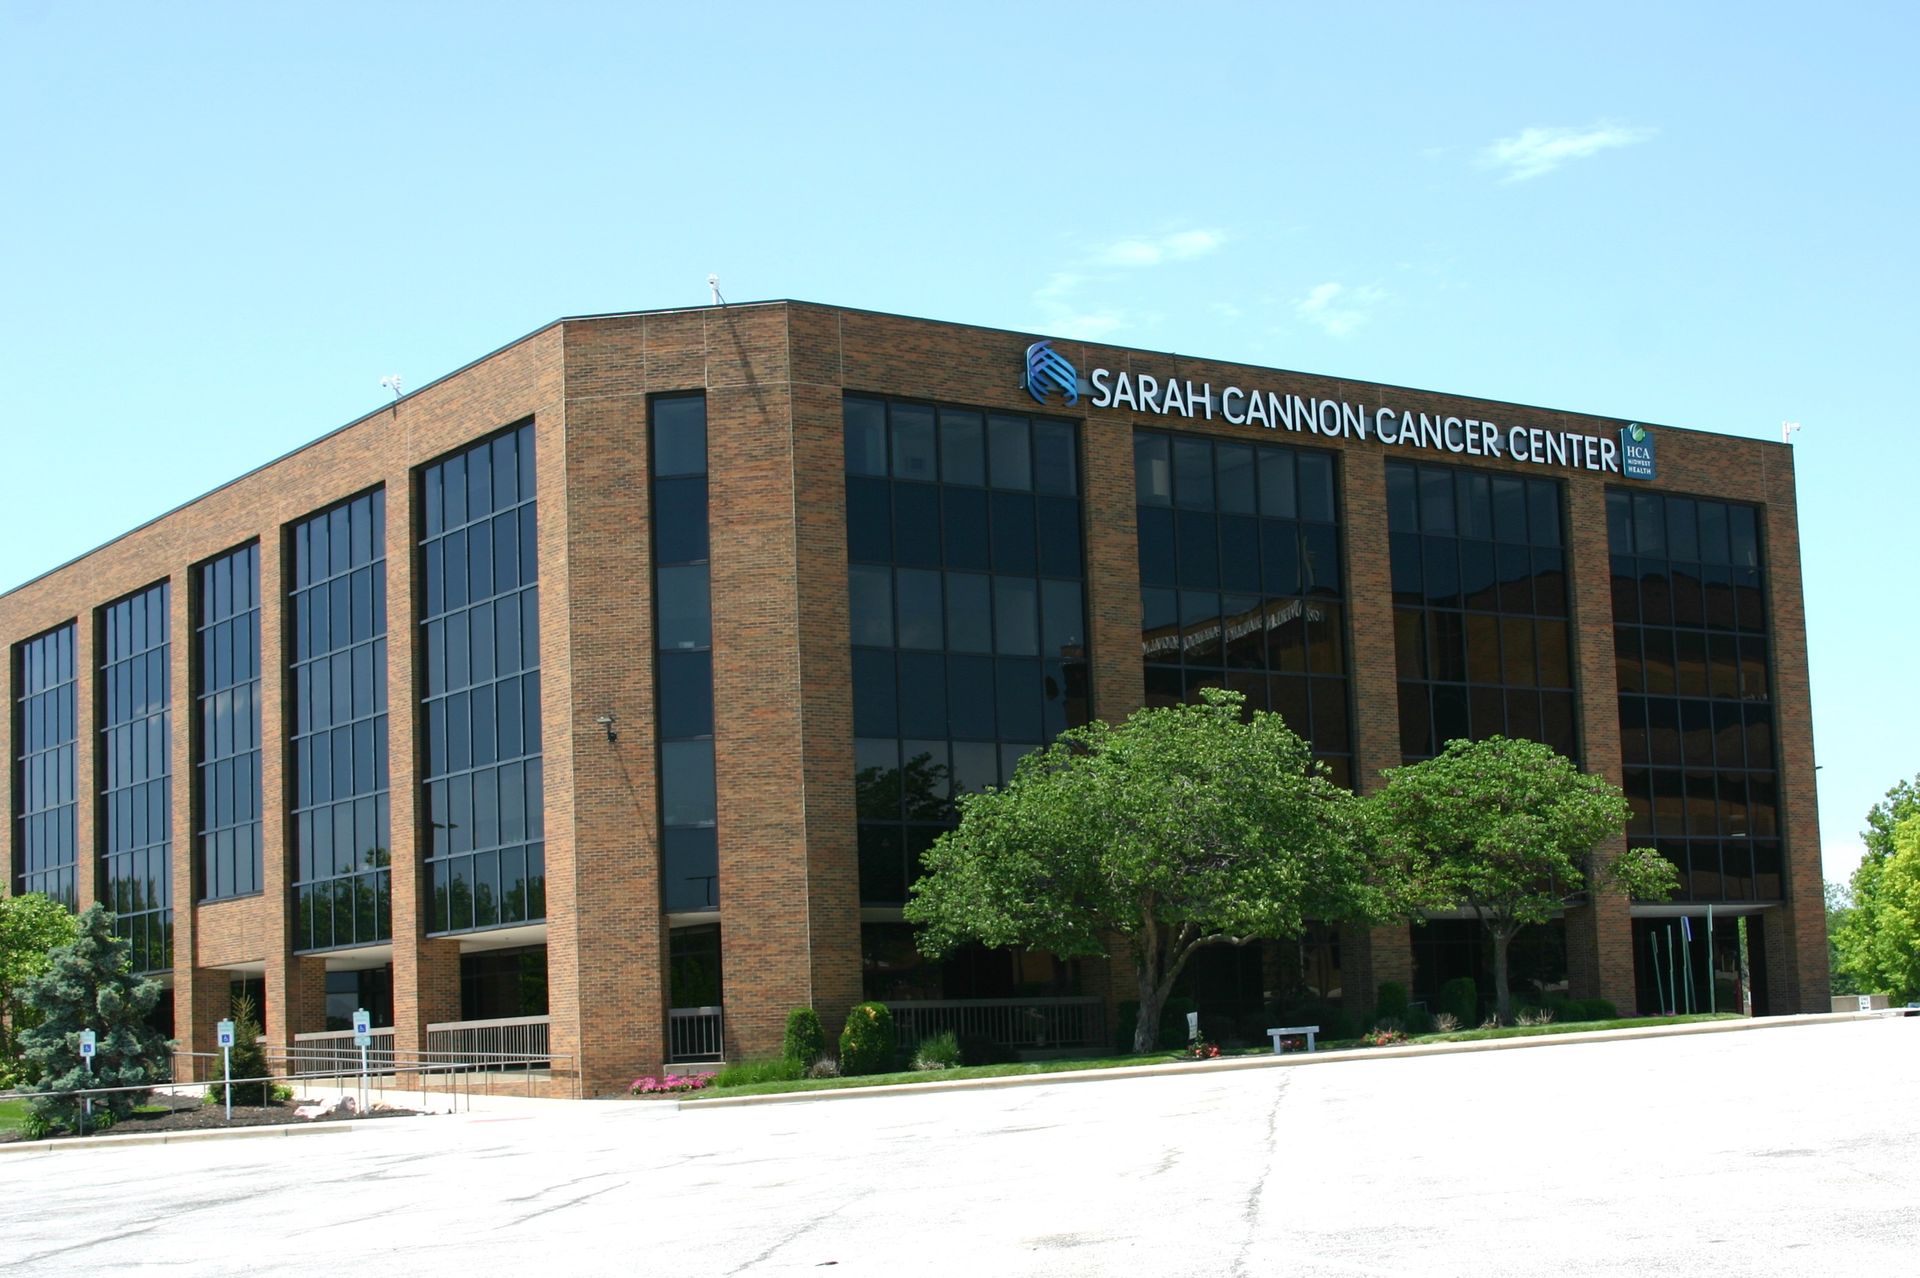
(1419,1021)
(867,1043)
(771,1069)
(1461,997)
(806,1038)
(1392,1003)
(942,1051)
(1584,1009)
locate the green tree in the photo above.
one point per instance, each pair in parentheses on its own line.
(1877,945)
(1839,901)
(32,926)
(1506,829)
(1883,818)
(1185,826)
(87,985)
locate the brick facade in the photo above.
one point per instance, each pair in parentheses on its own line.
(774,375)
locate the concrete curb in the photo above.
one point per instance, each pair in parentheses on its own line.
(1295,1060)
(171,1138)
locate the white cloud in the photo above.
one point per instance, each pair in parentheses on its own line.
(1176,246)
(1532,152)
(1339,311)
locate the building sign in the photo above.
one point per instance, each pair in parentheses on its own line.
(1636,452)
(1631,455)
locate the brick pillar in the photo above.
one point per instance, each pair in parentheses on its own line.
(201,996)
(1797,932)
(825,674)
(1112,554)
(87,699)
(1371,956)
(296,988)
(426,974)
(1600,933)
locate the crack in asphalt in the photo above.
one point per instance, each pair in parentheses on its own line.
(571,1202)
(1251,1212)
(794,1236)
(79,1246)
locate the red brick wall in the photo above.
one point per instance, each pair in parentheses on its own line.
(774,375)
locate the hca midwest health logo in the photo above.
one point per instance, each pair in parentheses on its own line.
(1636,452)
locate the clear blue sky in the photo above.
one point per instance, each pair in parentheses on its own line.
(223,224)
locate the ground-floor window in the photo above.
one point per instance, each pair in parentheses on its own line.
(693,966)
(370,988)
(894,969)
(496,984)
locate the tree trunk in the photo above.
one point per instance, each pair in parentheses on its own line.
(1503,996)
(1146,1030)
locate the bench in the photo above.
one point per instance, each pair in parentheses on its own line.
(1287,1031)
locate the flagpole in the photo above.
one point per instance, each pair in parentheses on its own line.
(1713,968)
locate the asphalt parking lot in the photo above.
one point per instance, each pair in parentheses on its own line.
(1768,1152)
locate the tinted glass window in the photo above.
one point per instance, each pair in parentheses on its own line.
(342,889)
(486,866)
(979,554)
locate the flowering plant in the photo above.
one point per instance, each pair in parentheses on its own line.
(1384,1037)
(1201,1050)
(651,1086)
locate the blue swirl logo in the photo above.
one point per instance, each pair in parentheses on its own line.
(1047,371)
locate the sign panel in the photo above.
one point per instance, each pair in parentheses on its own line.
(87,1044)
(224,1033)
(1049,373)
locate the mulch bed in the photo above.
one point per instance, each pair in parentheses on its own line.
(190,1113)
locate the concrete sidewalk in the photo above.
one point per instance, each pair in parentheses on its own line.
(1293,1060)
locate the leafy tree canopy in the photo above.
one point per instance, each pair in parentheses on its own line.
(1883,818)
(32,926)
(1506,829)
(1185,826)
(1877,943)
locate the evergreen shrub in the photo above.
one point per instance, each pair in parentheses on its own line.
(867,1043)
(806,1037)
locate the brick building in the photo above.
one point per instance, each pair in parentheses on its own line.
(600,695)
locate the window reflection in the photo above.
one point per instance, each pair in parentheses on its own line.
(966,611)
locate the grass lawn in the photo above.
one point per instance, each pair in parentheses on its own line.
(1161,1058)
(13,1113)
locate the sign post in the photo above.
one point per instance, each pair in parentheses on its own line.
(362,1039)
(88,1045)
(224,1030)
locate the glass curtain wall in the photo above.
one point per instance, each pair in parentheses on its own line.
(136,771)
(44,727)
(1691,640)
(1240,582)
(965,589)
(683,618)
(227,742)
(342,891)
(1480,609)
(480,703)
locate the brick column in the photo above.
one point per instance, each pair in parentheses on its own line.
(825,673)
(201,996)
(1797,932)
(1112,568)
(426,974)
(1370,957)
(1599,934)
(606,937)
(87,701)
